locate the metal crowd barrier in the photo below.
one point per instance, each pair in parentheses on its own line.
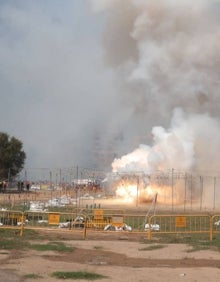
(176,224)
(11,220)
(99,219)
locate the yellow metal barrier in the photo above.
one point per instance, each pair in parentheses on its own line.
(215,225)
(175,224)
(98,219)
(12,220)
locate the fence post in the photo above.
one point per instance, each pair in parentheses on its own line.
(84,230)
(22,224)
(149,229)
(211,229)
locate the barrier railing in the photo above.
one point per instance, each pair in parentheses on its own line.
(12,220)
(98,220)
(174,224)
(215,225)
(136,222)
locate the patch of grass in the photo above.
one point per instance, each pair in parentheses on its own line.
(181,239)
(98,247)
(77,275)
(197,248)
(28,234)
(152,247)
(33,276)
(200,242)
(53,246)
(11,239)
(10,233)
(196,241)
(10,244)
(149,242)
(33,235)
(203,245)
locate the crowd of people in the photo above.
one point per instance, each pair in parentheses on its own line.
(21,185)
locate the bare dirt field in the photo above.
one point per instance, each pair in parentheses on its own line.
(120,256)
(117,256)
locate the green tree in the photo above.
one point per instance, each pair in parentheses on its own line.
(12,157)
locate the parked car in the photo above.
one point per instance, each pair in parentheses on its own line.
(35,187)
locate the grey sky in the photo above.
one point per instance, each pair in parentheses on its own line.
(81,86)
(55,93)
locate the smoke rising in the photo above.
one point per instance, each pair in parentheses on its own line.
(165,56)
(153,80)
(183,146)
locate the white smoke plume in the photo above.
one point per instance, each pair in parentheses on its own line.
(166,57)
(184,146)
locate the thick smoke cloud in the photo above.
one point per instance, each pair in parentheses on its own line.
(55,95)
(184,146)
(165,54)
(153,80)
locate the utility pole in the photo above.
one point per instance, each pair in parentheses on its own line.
(76,188)
(51,185)
(214,193)
(9,175)
(172,187)
(51,180)
(60,179)
(185,192)
(201,191)
(137,191)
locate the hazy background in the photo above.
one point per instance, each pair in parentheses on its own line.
(56,97)
(85,82)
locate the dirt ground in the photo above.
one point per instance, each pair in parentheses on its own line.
(121,257)
(117,256)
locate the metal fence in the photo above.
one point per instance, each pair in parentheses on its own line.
(184,224)
(112,220)
(186,190)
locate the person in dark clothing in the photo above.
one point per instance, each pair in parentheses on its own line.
(27,185)
(4,186)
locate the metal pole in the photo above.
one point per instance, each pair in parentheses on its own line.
(77,185)
(51,185)
(50,179)
(25,175)
(185,192)
(214,193)
(201,191)
(9,175)
(172,187)
(191,189)
(137,191)
(60,179)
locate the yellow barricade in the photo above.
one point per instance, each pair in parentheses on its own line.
(175,224)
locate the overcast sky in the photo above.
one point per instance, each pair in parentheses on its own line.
(83,82)
(55,92)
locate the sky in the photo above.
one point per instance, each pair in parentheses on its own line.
(54,89)
(118,85)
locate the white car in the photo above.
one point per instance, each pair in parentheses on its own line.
(35,187)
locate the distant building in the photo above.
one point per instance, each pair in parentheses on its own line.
(86,182)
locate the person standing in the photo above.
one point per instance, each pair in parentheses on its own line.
(27,185)
(4,186)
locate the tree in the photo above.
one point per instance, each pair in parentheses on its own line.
(12,157)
